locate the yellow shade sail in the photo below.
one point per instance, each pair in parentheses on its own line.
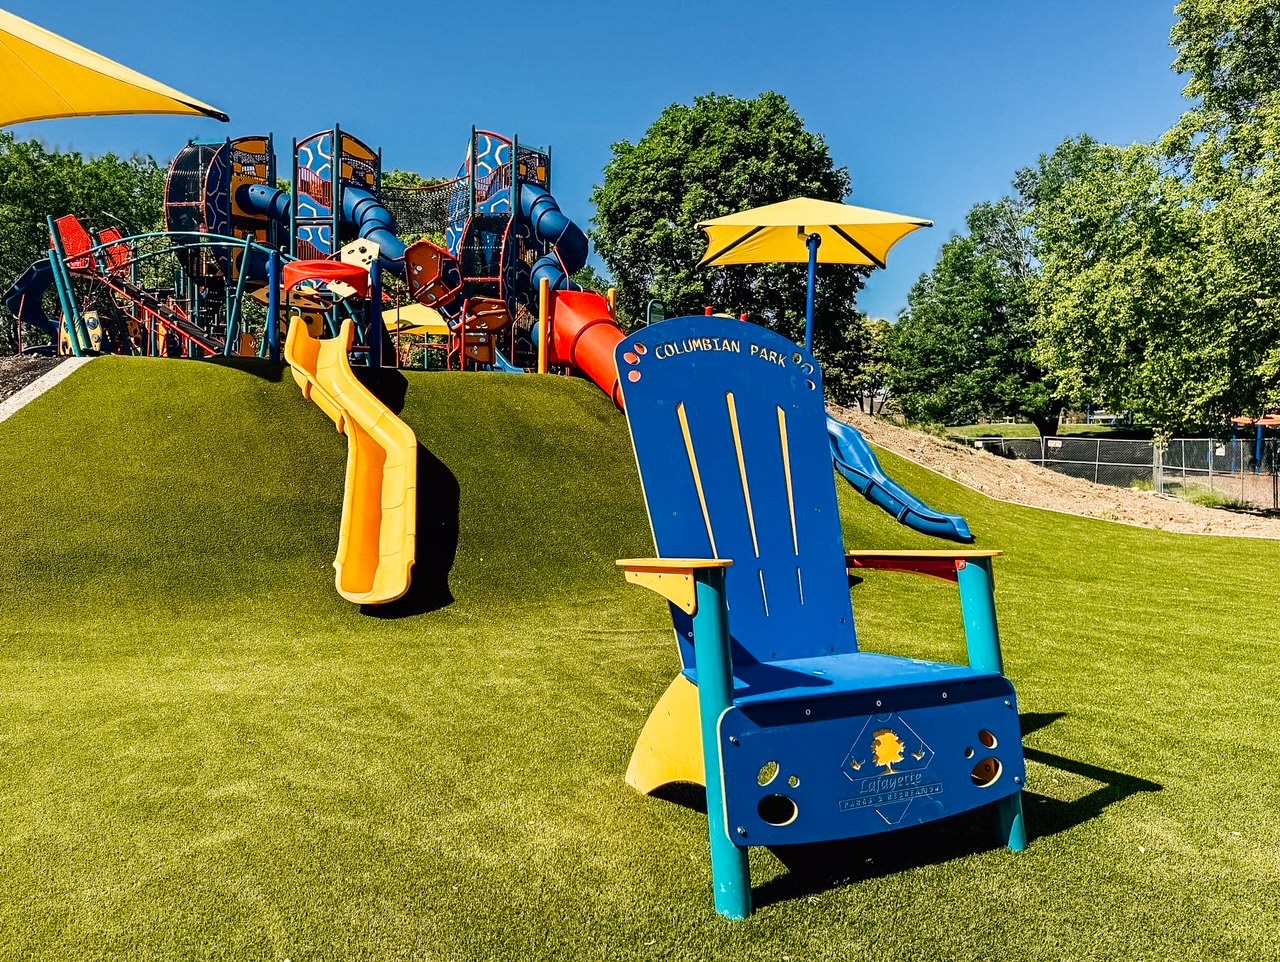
(416,319)
(44,75)
(778,234)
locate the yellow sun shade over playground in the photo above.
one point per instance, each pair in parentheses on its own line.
(44,76)
(777,234)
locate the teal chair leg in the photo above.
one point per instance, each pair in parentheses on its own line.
(978,603)
(1012,826)
(982,634)
(730,869)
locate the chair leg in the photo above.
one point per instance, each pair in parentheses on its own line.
(669,748)
(730,865)
(1012,827)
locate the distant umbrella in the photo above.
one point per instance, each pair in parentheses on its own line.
(806,230)
(44,75)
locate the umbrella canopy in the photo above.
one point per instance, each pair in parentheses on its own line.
(778,234)
(44,75)
(806,230)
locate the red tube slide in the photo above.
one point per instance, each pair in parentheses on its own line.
(584,335)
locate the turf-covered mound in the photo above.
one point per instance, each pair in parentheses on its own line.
(205,752)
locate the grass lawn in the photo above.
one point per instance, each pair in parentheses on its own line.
(206,753)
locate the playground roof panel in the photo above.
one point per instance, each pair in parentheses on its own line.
(45,75)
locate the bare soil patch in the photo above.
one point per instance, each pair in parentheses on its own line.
(1021,482)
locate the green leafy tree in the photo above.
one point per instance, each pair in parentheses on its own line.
(1153,298)
(962,351)
(589,279)
(1230,53)
(720,155)
(1227,146)
(103,191)
(870,387)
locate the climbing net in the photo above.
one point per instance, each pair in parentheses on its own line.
(423,210)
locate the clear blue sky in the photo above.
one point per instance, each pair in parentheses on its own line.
(931,104)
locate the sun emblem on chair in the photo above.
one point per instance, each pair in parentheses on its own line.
(888,749)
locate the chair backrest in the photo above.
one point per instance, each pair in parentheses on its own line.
(730,434)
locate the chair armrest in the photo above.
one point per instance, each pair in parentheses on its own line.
(971,572)
(943,563)
(673,578)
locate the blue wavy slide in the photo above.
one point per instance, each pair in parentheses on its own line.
(25,297)
(859,465)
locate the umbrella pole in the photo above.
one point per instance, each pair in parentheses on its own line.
(814,241)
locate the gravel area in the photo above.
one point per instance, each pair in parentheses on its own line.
(17,371)
(1021,482)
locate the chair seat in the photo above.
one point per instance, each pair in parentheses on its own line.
(835,675)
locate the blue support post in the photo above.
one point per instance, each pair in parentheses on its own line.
(814,241)
(233,309)
(293,206)
(194,314)
(730,869)
(375,314)
(273,307)
(471,174)
(62,284)
(1257,453)
(335,192)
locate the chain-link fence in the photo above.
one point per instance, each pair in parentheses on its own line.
(1223,473)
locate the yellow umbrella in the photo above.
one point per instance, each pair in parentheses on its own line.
(804,229)
(44,75)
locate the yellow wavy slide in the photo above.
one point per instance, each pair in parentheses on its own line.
(377,539)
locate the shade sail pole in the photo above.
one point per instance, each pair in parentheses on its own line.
(814,241)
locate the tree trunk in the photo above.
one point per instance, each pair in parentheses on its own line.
(1047,423)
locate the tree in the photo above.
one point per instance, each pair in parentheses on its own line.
(870,387)
(103,191)
(1145,301)
(589,279)
(717,156)
(962,351)
(1227,146)
(1230,52)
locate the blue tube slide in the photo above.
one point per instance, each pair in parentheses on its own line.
(25,297)
(359,208)
(374,222)
(551,226)
(859,465)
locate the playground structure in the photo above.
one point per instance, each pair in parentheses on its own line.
(797,735)
(322,272)
(242,261)
(486,285)
(210,283)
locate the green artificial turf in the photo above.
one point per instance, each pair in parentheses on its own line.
(206,753)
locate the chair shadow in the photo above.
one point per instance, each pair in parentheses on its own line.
(439,501)
(820,867)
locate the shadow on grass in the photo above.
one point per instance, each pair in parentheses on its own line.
(439,500)
(813,869)
(259,367)
(387,384)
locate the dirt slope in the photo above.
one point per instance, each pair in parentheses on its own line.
(1024,483)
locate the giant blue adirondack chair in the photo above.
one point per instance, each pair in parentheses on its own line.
(797,735)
